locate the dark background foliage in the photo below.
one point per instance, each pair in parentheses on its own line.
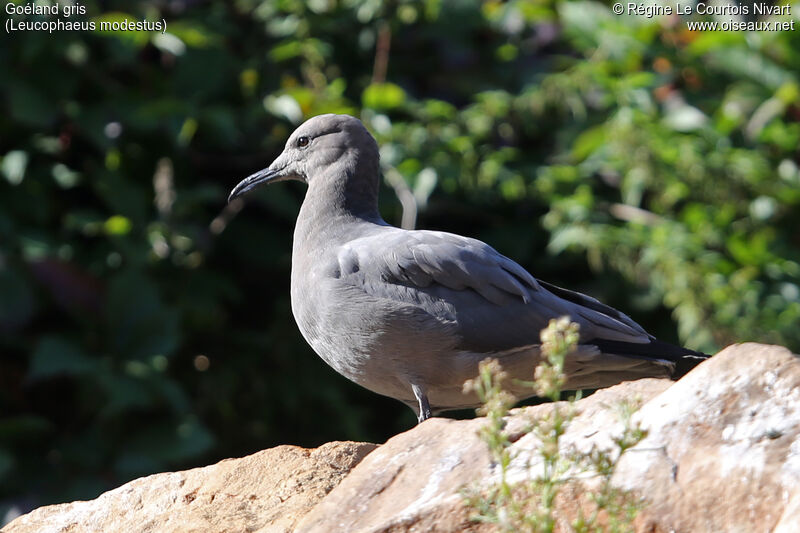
(145,325)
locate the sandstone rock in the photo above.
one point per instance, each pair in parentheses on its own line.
(722,454)
(264,492)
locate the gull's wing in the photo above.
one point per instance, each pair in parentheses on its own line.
(493,302)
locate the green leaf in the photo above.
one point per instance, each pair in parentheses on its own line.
(13,166)
(104,25)
(685,118)
(285,51)
(284,106)
(383,96)
(193,34)
(589,141)
(751,249)
(55,356)
(117,225)
(439,110)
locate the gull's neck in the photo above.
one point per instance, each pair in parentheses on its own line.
(345,193)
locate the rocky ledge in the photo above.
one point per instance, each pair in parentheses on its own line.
(722,453)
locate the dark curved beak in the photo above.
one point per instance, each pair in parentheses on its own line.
(253,181)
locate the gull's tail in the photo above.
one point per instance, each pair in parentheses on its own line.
(682,359)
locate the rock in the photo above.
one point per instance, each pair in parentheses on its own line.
(723,450)
(412,480)
(722,454)
(415,481)
(264,492)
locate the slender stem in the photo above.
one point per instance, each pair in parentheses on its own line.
(383,43)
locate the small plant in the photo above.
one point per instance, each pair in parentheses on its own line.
(531,506)
(496,403)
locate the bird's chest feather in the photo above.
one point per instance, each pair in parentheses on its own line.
(341,325)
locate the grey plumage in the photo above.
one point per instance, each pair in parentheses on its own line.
(410,314)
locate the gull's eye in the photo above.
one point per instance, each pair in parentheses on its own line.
(303,141)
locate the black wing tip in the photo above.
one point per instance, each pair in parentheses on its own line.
(687,362)
(683,358)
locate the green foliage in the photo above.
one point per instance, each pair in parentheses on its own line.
(144,326)
(532,505)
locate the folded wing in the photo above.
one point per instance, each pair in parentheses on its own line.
(494,303)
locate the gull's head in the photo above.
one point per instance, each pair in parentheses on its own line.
(316,145)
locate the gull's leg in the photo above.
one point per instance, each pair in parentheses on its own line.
(424,406)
